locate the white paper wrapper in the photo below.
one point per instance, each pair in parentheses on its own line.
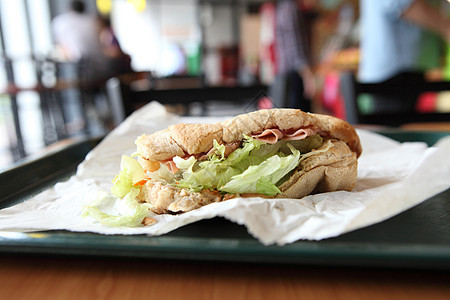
(392,178)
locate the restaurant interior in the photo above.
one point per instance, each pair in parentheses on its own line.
(208,57)
(205,58)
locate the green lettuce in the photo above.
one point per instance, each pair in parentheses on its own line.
(131,172)
(123,212)
(123,208)
(256,167)
(262,178)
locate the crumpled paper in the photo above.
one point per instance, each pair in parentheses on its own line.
(392,177)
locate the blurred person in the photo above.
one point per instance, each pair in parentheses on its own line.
(120,61)
(77,37)
(391,32)
(294,85)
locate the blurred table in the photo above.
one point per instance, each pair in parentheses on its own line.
(104,278)
(429,126)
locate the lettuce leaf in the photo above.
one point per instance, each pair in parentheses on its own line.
(217,170)
(262,178)
(114,212)
(131,172)
(124,209)
(122,184)
(256,167)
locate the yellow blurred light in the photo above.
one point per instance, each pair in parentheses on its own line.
(443,102)
(37,235)
(104,6)
(139,5)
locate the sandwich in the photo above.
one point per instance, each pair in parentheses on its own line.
(273,153)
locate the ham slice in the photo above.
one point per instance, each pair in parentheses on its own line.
(271,136)
(300,134)
(230,147)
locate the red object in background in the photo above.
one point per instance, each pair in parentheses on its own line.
(229,62)
(427,102)
(267,55)
(265,103)
(332,99)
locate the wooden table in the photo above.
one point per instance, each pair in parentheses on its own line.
(105,278)
(430,126)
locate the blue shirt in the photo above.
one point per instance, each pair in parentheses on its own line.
(389,44)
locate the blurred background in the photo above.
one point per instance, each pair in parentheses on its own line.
(197,57)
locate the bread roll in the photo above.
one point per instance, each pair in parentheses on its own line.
(332,167)
(187,139)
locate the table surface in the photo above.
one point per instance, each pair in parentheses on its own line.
(101,278)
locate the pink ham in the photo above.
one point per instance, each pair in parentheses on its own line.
(300,134)
(270,136)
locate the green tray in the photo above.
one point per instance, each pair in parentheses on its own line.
(416,238)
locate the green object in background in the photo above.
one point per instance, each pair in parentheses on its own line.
(366,104)
(447,63)
(193,61)
(430,51)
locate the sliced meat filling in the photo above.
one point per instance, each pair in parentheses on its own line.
(166,198)
(271,136)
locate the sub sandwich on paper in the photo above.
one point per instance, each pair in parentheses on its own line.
(282,153)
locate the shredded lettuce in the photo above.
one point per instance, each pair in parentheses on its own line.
(256,167)
(262,178)
(131,172)
(122,207)
(184,164)
(122,184)
(114,212)
(133,168)
(219,149)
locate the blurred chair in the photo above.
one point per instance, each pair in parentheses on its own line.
(351,89)
(116,101)
(125,95)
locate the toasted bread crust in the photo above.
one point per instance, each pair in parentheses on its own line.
(187,139)
(333,170)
